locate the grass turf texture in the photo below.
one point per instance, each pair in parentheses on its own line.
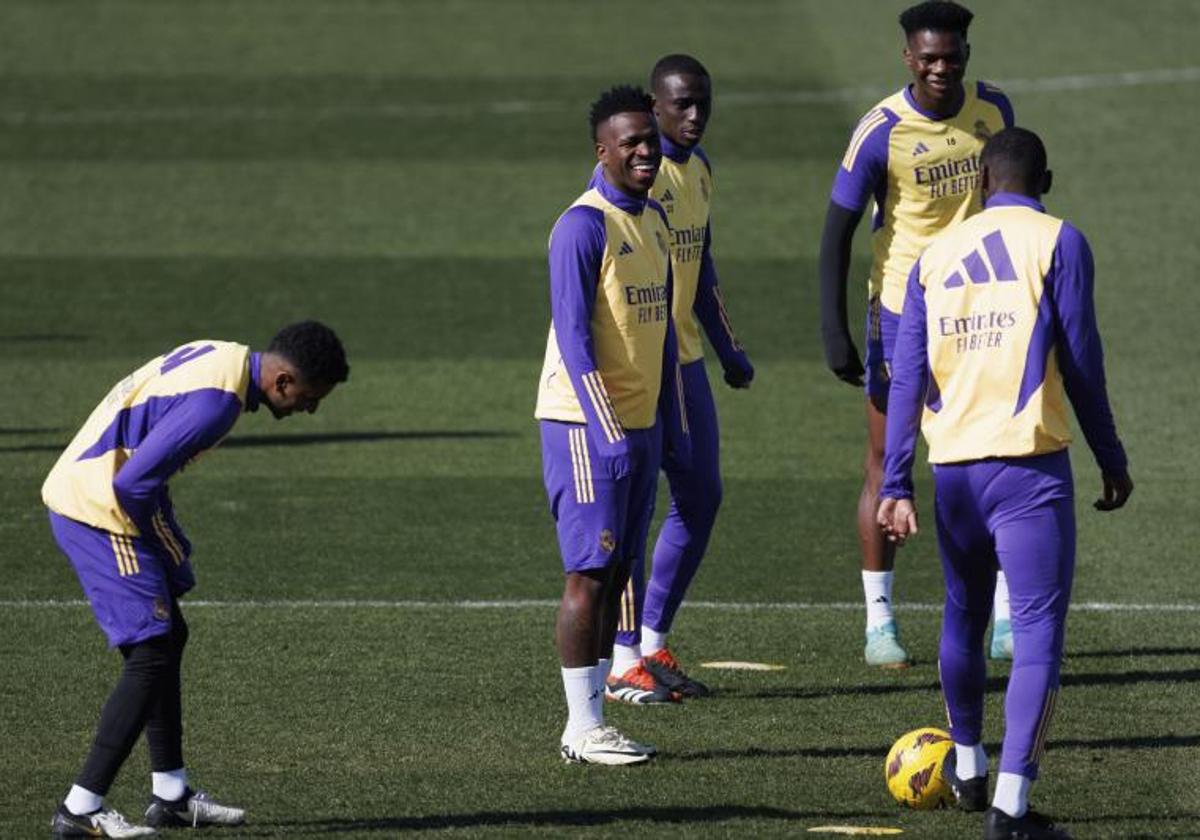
(176,170)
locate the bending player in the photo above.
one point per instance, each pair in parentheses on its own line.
(111,514)
(998,322)
(644,669)
(611,369)
(916,154)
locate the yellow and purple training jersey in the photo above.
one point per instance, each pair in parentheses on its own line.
(610,297)
(998,331)
(114,474)
(684,190)
(921,171)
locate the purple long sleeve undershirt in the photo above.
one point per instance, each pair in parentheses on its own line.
(1076,339)
(576,253)
(711,315)
(176,430)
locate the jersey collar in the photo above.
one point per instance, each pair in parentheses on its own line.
(912,103)
(677,153)
(631,205)
(1005,199)
(254,394)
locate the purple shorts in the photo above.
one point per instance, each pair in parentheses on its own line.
(128,581)
(882,326)
(600,520)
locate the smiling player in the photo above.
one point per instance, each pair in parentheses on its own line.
(111,514)
(916,154)
(610,372)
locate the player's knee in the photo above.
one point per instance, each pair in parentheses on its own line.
(872,474)
(699,504)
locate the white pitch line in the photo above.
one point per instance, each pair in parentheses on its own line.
(538,603)
(418,110)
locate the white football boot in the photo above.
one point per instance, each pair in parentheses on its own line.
(605,745)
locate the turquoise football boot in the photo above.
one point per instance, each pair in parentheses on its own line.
(883,648)
(1002,641)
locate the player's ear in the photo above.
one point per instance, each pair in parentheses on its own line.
(1047,181)
(283,381)
(985,179)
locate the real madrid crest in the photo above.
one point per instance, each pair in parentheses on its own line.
(608,542)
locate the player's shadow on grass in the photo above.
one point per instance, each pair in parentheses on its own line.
(250,441)
(27,338)
(799,692)
(1139,743)
(362,437)
(566,819)
(1133,651)
(995,684)
(778,752)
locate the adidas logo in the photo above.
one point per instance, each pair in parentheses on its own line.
(882,599)
(626,248)
(666,196)
(920,149)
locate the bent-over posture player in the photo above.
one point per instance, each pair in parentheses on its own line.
(998,331)
(111,514)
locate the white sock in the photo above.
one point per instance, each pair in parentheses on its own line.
(579,684)
(877,587)
(970,761)
(169,785)
(1000,611)
(625,657)
(1012,794)
(652,641)
(82,801)
(601,677)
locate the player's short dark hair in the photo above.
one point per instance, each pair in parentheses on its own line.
(676,64)
(315,350)
(621,99)
(936,16)
(1015,155)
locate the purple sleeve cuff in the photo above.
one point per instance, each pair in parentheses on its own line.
(1080,353)
(910,371)
(867,156)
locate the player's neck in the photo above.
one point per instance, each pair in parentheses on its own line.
(939,109)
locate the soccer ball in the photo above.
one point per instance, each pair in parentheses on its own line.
(914,769)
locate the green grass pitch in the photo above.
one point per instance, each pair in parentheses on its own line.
(189,168)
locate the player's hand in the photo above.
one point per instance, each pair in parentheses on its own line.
(1116,492)
(739,373)
(842,358)
(897,518)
